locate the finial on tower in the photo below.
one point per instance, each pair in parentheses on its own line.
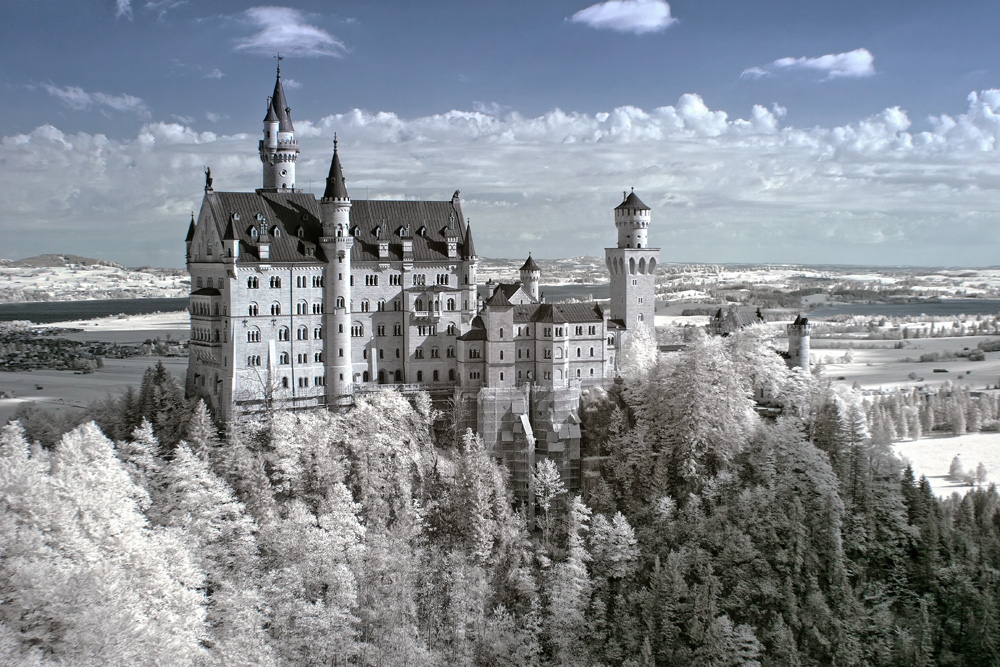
(334,142)
(279,58)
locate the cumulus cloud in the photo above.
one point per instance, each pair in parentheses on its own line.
(855,64)
(77,98)
(286,31)
(214,73)
(636,16)
(723,187)
(123,8)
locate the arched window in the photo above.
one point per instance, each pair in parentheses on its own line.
(501,355)
(283,333)
(275,308)
(301,308)
(399,375)
(420,376)
(364,376)
(253,335)
(252,310)
(365,306)
(340,302)
(435,376)
(284,382)
(501,332)
(252,282)
(302,333)
(318,333)
(578,353)
(418,304)
(591,351)
(451,304)
(283,358)
(275,282)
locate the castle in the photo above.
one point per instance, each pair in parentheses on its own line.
(299,302)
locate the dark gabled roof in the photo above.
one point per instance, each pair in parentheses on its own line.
(206,291)
(741,316)
(558,312)
(290,212)
(499,299)
(530,265)
(800,321)
(336,186)
(633,202)
(395,218)
(470,247)
(509,289)
(190,234)
(280,106)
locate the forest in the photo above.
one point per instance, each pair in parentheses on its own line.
(143,534)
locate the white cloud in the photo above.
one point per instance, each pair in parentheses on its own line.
(77,98)
(285,30)
(722,188)
(855,64)
(291,84)
(123,8)
(162,7)
(215,117)
(215,73)
(636,16)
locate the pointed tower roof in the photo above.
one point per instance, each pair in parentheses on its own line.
(530,265)
(632,201)
(470,247)
(498,298)
(190,235)
(230,233)
(280,107)
(271,116)
(336,187)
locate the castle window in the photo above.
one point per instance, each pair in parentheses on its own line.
(381,305)
(381,353)
(283,333)
(364,354)
(501,355)
(253,360)
(302,333)
(519,353)
(394,279)
(397,329)
(591,372)
(199,282)
(420,376)
(435,376)
(591,351)
(396,305)
(317,309)
(592,331)
(301,308)
(352,281)
(578,372)
(317,281)
(450,352)
(501,332)
(501,377)
(253,282)
(364,376)
(451,374)
(559,331)
(275,282)
(318,333)
(253,335)
(283,358)
(435,353)
(475,353)
(340,302)
(284,383)
(611,340)
(451,304)
(252,310)
(451,329)
(340,352)
(418,304)
(399,375)
(380,330)
(559,354)
(340,328)
(365,306)
(639,317)
(418,353)
(397,353)
(548,332)
(275,308)
(579,331)
(547,375)
(578,353)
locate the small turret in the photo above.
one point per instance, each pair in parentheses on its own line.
(632,220)
(531,277)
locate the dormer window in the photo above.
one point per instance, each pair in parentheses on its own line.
(301,233)
(422,231)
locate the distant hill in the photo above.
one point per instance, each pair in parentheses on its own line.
(52,261)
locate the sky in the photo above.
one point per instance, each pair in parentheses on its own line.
(854,132)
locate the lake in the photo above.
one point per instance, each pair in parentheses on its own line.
(935,308)
(62,311)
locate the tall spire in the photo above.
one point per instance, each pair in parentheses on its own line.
(279,106)
(336,187)
(470,247)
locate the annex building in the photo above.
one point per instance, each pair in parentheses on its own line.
(302,302)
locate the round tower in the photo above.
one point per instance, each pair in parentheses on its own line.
(278,148)
(632,265)
(798,342)
(632,220)
(336,239)
(531,277)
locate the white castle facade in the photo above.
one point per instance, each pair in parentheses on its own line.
(299,302)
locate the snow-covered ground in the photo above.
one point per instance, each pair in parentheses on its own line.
(932,457)
(91,281)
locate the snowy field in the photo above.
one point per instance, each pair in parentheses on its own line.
(931,457)
(82,282)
